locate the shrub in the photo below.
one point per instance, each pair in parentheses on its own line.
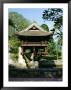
(50,57)
(46,64)
(14,56)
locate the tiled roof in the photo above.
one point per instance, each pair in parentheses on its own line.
(32,32)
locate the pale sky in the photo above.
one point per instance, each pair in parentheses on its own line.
(33,14)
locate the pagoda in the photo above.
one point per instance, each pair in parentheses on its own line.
(34,40)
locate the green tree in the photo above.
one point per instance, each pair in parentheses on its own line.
(45,27)
(55,15)
(51,48)
(51,43)
(16,23)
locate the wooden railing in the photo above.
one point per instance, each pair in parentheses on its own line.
(26,43)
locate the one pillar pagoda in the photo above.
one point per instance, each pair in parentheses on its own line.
(35,39)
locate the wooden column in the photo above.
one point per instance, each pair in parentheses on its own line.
(22,50)
(46,51)
(34,51)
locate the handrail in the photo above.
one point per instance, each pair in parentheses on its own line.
(27,42)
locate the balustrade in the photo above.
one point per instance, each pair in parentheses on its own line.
(41,43)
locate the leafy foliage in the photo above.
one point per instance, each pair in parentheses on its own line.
(14,44)
(51,44)
(51,48)
(16,23)
(55,15)
(45,27)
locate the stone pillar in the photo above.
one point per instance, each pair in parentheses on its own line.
(33,64)
(34,50)
(21,60)
(33,54)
